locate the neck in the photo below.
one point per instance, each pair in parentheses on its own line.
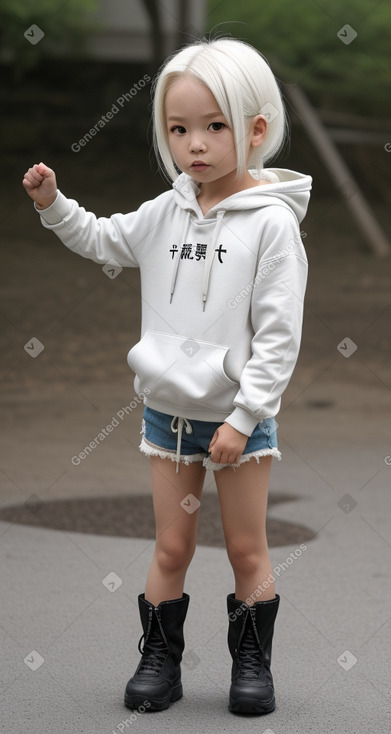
(211,193)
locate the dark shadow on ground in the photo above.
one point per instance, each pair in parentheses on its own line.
(132,517)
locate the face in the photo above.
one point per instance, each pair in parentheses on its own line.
(201,141)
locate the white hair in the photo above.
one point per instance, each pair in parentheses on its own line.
(243,85)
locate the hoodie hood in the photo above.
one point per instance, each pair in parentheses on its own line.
(288,189)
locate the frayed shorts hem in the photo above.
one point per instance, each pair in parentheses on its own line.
(151,450)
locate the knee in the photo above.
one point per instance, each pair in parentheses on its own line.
(174,555)
(245,556)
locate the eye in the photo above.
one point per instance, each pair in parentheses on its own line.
(216,126)
(178,129)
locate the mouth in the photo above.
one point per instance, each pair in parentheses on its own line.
(199,166)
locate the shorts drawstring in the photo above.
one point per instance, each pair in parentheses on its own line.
(177,427)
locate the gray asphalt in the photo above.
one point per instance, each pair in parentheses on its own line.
(69,643)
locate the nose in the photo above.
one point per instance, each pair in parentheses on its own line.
(196,145)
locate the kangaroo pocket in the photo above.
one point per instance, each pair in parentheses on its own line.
(182,371)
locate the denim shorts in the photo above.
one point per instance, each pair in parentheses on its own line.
(182,440)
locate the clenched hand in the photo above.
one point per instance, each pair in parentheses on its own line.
(41,185)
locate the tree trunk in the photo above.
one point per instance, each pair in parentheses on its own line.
(152,8)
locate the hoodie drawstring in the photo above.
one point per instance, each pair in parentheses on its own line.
(176,263)
(210,254)
(177,427)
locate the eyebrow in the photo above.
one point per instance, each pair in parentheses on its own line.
(210,114)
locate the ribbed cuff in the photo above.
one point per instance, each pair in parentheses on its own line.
(56,212)
(243,421)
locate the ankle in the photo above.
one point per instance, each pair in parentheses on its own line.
(260,593)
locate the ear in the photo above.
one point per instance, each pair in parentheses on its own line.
(258,130)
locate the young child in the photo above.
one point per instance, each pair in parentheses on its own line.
(223,274)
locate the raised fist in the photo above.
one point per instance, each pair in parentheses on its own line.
(41,185)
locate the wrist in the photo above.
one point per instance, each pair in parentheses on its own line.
(44,204)
(235,430)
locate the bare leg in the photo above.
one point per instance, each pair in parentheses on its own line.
(243,494)
(176,528)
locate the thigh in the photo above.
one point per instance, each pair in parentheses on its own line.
(243,495)
(169,490)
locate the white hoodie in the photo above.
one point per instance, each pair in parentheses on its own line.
(222,293)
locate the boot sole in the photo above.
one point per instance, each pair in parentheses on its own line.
(246,706)
(156,704)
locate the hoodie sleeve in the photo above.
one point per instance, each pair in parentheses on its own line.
(276,314)
(121,237)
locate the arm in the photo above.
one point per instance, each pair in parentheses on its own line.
(120,237)
(276,313)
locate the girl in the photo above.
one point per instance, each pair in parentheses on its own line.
(223,273)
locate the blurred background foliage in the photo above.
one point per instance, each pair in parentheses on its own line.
(300,41)
(66,90)
(66,25)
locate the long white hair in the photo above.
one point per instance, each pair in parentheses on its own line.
(243,85)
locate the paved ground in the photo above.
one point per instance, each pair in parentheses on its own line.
(68,643)
(335,597)
(330,658)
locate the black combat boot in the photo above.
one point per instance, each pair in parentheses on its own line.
(157,679)
(250,636)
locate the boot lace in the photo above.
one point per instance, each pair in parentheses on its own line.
(250,660)
(153,653)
